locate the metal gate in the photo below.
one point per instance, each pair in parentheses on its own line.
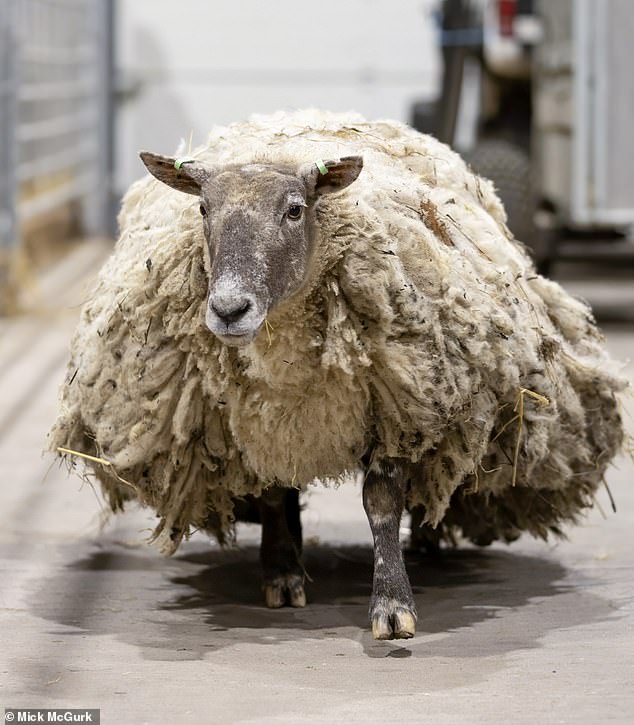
(55,113)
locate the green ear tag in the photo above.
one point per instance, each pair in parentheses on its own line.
(321,166)
(183,160)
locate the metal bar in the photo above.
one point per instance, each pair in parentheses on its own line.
(97,205)
(70,190)
(56,55)
(599,107)
(60,161)
(455,14)
(67,4)
(56,127)
(581,100)
(63,90)
(108,116)
(8,119)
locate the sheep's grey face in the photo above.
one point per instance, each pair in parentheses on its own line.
(258,220)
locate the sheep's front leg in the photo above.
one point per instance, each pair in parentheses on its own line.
(392,608)
(281,548)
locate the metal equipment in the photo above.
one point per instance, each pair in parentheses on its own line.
(55,115)
(537,96)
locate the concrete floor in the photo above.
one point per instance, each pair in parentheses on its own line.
(93,618)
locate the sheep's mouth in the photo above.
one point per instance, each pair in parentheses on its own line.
(235,337)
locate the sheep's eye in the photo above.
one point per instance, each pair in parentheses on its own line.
(295,212)
(203,211)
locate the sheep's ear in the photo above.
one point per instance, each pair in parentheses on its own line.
(181,174)
(334,175)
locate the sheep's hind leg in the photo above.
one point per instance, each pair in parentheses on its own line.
(281,548)
(392,608)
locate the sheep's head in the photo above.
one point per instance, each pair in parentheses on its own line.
(258,221)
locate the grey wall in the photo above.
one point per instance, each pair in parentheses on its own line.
(185,66)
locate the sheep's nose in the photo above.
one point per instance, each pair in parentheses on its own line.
(230,309)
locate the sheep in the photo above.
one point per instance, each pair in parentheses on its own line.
(310,296)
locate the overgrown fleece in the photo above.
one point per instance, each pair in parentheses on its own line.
(421,325)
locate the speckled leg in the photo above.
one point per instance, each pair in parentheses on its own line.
(392,608)
(281,548)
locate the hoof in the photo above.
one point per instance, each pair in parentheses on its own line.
(283,590)
(393,621)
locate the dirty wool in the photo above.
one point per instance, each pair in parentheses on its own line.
(422,333)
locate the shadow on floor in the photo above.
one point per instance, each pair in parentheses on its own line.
(473,603)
